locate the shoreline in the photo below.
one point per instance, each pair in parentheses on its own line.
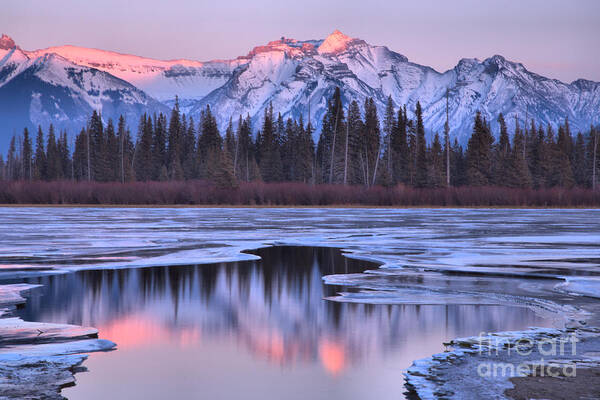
(332,206)
(511,365)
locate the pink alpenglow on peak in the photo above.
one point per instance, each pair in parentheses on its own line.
(337,42)
(6,42)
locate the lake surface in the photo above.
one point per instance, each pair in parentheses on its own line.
(196,316)
(251,329)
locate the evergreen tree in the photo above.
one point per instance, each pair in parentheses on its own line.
(503,155)
(479,157)
(563,171)
(125,153)
(436,176)
(520,176)
(230,141)
(160,157)
(188,151)
(111,153)
(65,156)
(270,157)
(306,153)
(174,142)
(421,149)
(12,160)
(142,156)
(593,158)
(80,156)
(329,150)
(39,164)
(355,157)
(458,165)
(371,142)
(97,148)
(53,162)
(579,164)
(400,148)
(289,147)
(389,129)
(225,175)
(209,146)
(26,156)
(245,162)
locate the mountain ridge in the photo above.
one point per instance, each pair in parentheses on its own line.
(293,74)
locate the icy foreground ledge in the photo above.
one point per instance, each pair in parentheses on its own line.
(487,366)
(38,359)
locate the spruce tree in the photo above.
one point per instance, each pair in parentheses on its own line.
(209,146)
(520,176)
(160,157)
(230,144)
(270,158)
(97,148)
(389,128)
(12,160)
(188,151)
(53,162)
(112,153)
(593,156)
(245,154)
(26,156)
(579,164)
(400,148)
(289,148)
(39,162)
(502,156)
(421,149)
(436,176)
(371,142)
(563,171)
(175,134)
(330,146)
(80,156)
(479,155)
(306,154)
(142,156)
(354,173)
(125,152)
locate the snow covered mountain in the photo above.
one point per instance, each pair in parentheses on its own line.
(190,80)
(292,74)
(47,88)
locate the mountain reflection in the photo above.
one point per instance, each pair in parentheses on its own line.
(273,308)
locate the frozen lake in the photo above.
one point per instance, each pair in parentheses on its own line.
(257,329)
(194,315)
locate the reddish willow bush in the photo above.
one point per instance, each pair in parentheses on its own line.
(286,194)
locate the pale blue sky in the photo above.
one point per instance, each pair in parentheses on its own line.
(556,38)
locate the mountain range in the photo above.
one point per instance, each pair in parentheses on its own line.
(62,85)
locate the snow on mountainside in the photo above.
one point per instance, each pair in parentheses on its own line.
(44,89)
(294,74)
(190,80)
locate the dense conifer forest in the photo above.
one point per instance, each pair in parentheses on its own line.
(360,158)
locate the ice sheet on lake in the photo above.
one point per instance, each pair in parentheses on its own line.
(532,258)
(37,358)
(444,255)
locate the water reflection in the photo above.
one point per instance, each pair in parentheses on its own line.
(250,323)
